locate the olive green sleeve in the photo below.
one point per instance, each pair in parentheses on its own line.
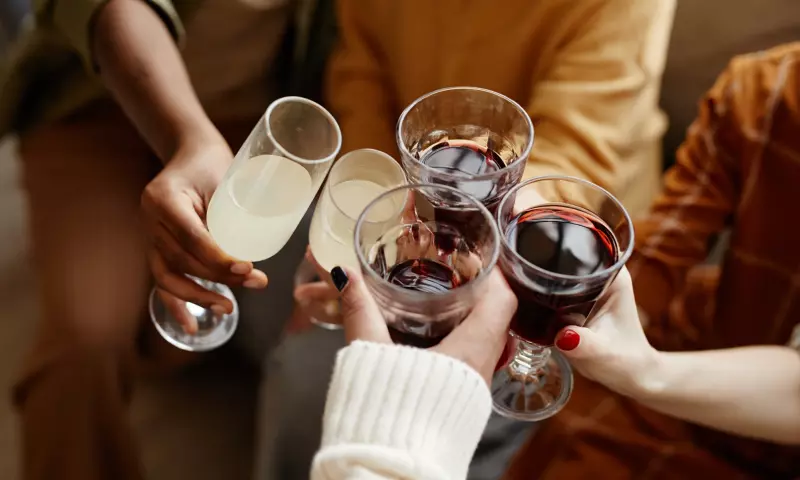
(74,19)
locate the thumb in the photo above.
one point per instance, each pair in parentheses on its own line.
(579,343)
(361,316)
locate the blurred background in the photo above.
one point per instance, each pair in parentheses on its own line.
(217,404)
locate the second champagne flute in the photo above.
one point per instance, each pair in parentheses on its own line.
(356,179)
(558,255)
(424,291)
(264,195)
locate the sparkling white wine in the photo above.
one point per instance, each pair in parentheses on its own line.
(254,212)
(331,235)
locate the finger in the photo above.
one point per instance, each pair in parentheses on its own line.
(481,337)
(409,214)
(177,308)
(468,264)
(179,260)
(186,289)
(187,227)
(581,344)
(360,314)
(315,292)
(618,296)
(321,272)
(622,282)
(324,312)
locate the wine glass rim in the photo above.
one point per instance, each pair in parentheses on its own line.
(522,157)
(351,153)
(502,224)
(483,274)
(286,152)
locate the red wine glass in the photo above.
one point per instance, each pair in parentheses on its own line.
(424,273)
(473,139)
(563,242)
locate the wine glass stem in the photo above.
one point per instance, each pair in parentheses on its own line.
(528,359)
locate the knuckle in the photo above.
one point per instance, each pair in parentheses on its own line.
(150,195)
(161,277)
(174,259)
(159,244)
(351,305)
(185,237)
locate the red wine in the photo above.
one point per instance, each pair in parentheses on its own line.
(424,275)
(465,159)
(402,337)
(566,241)
(428,276)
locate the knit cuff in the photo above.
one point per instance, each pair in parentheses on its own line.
(421,403)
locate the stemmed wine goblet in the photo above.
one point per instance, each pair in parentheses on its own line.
(559,253)
(473,139)
(424,273)
(356,179)
(254,211)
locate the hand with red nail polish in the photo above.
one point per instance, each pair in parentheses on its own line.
(612,349)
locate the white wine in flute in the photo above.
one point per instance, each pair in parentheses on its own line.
(331,234)
(255,211)
(257,207)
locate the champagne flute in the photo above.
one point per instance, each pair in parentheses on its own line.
(558,254)
(254,211)
(355,180)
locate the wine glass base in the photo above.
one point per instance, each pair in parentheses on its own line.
(214,330)
(326,325)
(533,397)
(305,274)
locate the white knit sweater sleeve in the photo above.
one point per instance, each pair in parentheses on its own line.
(396,412)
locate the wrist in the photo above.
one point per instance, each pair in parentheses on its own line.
(649,378)
(199,135)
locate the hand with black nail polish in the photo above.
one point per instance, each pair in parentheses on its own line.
(478,341)
(318,300)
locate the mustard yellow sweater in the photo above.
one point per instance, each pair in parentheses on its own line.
(587,71)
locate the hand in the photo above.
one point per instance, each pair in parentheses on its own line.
(613,349)
(319,300)
(478,341)
(174,207)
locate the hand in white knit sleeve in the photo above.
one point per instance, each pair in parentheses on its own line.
(401,412)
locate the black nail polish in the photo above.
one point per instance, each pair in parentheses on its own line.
(339,278)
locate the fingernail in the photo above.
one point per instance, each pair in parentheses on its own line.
(252,283)
(568,340)
(339,278)
(219,309)
(240,268)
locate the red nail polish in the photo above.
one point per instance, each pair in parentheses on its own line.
(568,340)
